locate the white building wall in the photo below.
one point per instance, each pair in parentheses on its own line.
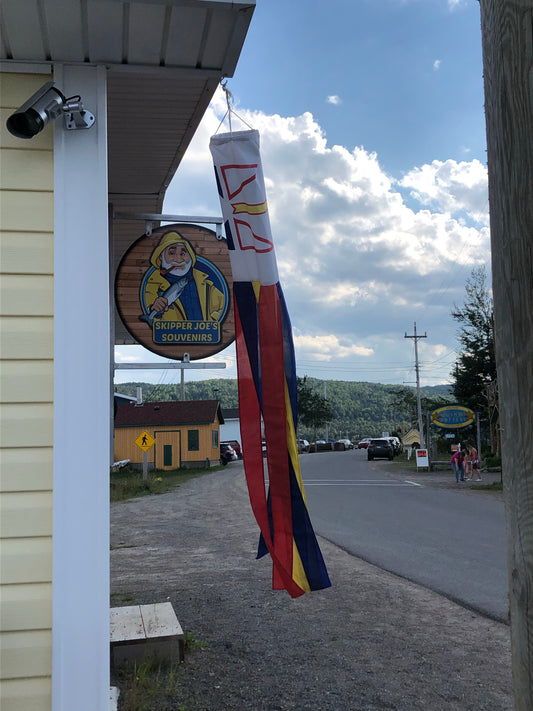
(231,429)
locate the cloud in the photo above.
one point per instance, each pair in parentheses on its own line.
(451,187)
(436,64)
(334,99)
(360,254)
(327,347)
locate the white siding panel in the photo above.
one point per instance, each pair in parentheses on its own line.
(26,211)
(30,294)
(27,513)
(145,33)
(26,560)
(26,694)
(26,469)
(29,425)
(15,248)
(28,337)
(25,37)
(27,381)
(105,25)
(26,607)
(185,23)
(35,167)
(25,654)
(64,22)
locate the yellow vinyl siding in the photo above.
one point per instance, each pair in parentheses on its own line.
(27,294)
(26,469)
(26,694)
(27,381)
(25,514)
(26,560)
(26,406)
(27,338)
(26,654)
(27,211)
(26,425)
(16,246)
(26,607)
(35,165)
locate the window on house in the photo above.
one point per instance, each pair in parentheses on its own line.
(193,437)
(215,439)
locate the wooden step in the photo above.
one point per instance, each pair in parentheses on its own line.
(142,632)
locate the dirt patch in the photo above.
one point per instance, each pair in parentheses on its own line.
(372,641)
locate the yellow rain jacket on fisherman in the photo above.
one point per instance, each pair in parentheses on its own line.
(211,299)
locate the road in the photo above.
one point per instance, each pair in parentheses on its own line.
(446,540)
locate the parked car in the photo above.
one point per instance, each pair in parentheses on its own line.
(343,444)
(303,445)
(321,446)
(396,445)
(236,446)
(227,453)
(380,449)
(363,444)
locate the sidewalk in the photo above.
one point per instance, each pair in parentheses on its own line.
(372,641)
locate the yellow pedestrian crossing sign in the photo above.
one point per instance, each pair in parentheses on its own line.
(145,441)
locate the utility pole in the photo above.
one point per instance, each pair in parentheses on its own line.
(418,402)
(325,396)
(506,27)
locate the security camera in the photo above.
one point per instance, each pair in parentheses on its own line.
(44,106)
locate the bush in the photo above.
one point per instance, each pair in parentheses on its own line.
(493,461)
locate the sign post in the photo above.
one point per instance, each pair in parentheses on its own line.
(145,441)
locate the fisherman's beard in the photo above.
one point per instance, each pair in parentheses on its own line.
(176,270)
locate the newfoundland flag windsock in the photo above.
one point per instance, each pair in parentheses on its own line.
(266,369)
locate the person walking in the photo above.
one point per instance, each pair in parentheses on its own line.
(458,465)
(474,463)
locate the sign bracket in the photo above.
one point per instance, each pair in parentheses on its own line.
(150,217)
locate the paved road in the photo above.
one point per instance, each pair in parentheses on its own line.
(446,540)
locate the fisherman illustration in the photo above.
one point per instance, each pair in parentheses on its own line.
(176,290)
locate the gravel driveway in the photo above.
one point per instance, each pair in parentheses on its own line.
(372,641)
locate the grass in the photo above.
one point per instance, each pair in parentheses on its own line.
(130,484)
(152,684)
(191,644)
(147,686)
(495,486)
(402,461)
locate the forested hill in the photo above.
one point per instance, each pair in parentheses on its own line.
(360,409)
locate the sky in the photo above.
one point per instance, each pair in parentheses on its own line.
(374,154)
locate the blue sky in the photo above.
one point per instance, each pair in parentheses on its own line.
(373,147)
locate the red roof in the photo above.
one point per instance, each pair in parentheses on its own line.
(183,412)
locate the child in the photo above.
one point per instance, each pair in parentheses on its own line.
(474,463)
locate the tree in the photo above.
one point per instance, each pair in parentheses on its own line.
(475,367)
(405,404)
(313,409)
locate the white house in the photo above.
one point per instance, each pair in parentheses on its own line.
(146,70)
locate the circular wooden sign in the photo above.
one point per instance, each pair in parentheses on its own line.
(173,291)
